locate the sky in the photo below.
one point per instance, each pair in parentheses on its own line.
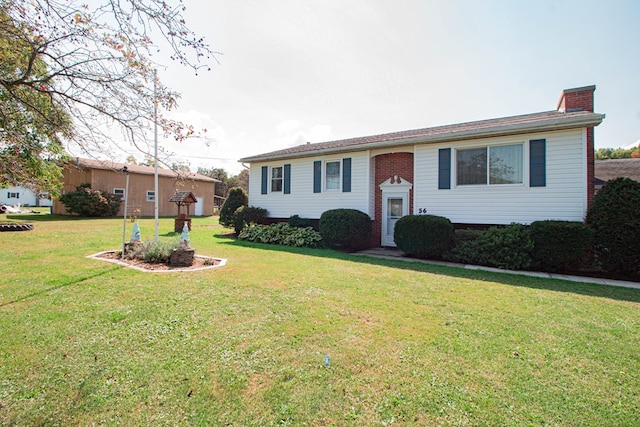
(292,71)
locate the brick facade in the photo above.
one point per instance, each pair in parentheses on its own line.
(387,166)
(581,99)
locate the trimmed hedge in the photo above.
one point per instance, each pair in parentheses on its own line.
(560,246)
(506,247)
(424,236)
(348,229)
(246,215)
(296,221)
(282,234)
(614,216)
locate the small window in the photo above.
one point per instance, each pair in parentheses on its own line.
(12,195)
(276,179)
(119,192)
(332,175)
(151,196)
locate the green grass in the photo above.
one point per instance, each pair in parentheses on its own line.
(88,342)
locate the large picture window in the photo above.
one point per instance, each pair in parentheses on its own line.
(495,165)
(276,179)
(332,175)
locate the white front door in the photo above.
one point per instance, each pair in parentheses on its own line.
(395,205)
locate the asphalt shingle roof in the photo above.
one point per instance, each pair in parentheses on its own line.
(614,168)
(549,120)
(143,170)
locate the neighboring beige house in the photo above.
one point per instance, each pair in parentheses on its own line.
(109,177)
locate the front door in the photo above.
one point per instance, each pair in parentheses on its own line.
(394,207)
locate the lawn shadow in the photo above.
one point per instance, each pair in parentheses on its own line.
(551,284)
(72,281)
(45,217)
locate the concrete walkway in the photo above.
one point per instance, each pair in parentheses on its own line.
(390,253)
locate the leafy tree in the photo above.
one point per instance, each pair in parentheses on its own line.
(242,180)
(131,160)
(92,203)
(32,124)
(73,70)
(237,197)
(617,153)
(180,167)
(219,174)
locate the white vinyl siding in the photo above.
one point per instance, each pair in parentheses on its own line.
(563,197)
(302,200)
(25,197)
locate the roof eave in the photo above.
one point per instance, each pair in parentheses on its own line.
(548,125)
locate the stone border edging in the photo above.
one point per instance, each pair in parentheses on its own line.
(221,263)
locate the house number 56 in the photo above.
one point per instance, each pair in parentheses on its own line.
(422,210)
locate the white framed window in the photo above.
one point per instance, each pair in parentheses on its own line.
(151,196)
(276,179)
(12,195)
(119,192)
(332,175)
(493,165)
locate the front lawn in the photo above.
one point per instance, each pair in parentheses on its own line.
(283,336)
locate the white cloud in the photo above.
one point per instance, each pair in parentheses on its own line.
(291,132)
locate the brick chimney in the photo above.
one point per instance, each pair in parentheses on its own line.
(581,99)
(577,99)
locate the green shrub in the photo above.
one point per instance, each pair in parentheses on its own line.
(424,236)
(90,203)
(296,221)
(236,198)
(348,229)
(466,235)
(282,234)
(560,246)
(152,252)
(614,217)
(246,215)
(506,247)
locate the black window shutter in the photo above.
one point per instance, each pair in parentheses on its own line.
(287,179)
(537,163)
(265,179)
(346,175)
(444,169)
(317,176)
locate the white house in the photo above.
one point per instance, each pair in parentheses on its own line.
(513,169)
(14,196)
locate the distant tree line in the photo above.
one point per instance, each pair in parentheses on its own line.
(617,153)
(240,180)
